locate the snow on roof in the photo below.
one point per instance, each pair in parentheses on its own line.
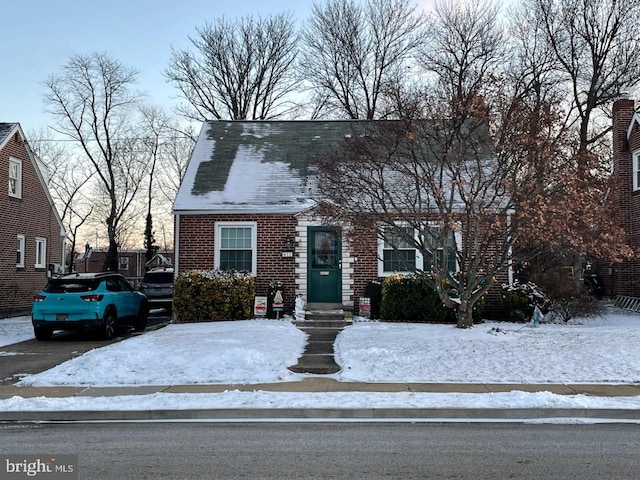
(256,166)
(266,166)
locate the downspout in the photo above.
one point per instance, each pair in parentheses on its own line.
(176,245)
(63,256)
(510,251)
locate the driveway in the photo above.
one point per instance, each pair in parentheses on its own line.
(33,356)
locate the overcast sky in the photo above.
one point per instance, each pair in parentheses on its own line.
(39,36)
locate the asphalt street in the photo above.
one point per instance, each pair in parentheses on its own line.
(335,450)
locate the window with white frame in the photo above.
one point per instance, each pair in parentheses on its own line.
(20,251)
(41,252)
(236,246)
(397,254)
(635,159)
(15,178)
(450,263)
(124,263)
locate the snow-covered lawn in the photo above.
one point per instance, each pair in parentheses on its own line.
(14,330)
(603,350)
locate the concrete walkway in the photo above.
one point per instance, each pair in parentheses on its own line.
(324,384)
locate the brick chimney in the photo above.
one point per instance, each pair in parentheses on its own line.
(623,110)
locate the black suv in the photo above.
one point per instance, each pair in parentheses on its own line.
(157,285)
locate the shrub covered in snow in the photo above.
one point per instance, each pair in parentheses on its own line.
(201,296)
(519,300)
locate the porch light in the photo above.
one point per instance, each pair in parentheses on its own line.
(288,244)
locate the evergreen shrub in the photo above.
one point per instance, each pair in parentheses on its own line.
(411,298)
(212,295)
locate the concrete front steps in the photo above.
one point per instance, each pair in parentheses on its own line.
(322,324)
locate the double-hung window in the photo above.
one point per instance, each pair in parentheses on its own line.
(20,251)
(438,246)
(15,178)
(41,252)
(236,246)
(399,254)
(397,251)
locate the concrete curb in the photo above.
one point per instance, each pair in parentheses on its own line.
(331,414)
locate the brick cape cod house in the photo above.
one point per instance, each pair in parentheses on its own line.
(32,237)
(247,202)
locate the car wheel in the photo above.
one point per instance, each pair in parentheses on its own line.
(42,333)
(141,322)
(110,325)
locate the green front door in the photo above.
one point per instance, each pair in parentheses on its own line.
(325,262)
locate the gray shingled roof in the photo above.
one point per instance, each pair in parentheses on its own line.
(265,166)
(5,129)
(256,166)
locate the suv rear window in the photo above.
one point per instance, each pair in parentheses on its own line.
(158,277)
(71,286)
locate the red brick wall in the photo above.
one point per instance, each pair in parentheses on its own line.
(364,246)
(625,279)
(32,217)
(196,239)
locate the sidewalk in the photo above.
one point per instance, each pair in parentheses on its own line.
(326,385)
(323,384)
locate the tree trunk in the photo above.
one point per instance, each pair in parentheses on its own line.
(111,260)
(465,314)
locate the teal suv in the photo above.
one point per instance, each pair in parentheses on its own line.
(100,302)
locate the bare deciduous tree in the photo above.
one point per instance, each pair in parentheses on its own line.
(153,125)
(490,171)
(92,99)
(167,148)
(579,56)
(66,179)
(353,53)
(174,159)
(596,50)
(241,70)
(465,45)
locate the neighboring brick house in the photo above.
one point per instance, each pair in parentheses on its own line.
(247,203)
(624,278)
(131,263)
(32,237)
